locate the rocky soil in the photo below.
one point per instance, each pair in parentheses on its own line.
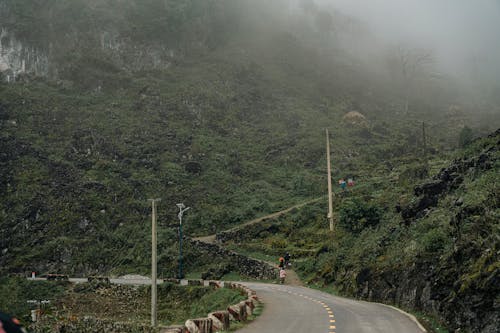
(464,287)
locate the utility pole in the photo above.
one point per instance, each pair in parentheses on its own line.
(182,209)
(153,262)
(330,198)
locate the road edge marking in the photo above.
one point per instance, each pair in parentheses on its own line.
(409,315)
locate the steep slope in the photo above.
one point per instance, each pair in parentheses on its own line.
(436,251)
(217,104)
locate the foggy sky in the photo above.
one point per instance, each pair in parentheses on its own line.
(464,34)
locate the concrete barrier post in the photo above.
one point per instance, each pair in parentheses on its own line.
(250,306)
(243,310)
(235,312)
(220,320)
(200,325)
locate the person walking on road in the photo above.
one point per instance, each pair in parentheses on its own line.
(282,263)
(282,275)
(287,259)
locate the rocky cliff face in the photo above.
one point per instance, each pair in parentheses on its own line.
(243,265)
(436,290)
(462,287)
(60,40)
(17,58)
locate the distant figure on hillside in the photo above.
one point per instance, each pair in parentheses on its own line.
(350,182)
(282,275)
(287,259)
(342,184)
(282,263)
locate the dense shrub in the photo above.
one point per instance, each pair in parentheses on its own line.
(434,240)
(356,215)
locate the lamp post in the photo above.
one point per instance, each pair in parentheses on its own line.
(182,209)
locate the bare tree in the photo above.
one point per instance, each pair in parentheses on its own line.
(413,65)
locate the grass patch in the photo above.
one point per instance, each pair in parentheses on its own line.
(193,276)
(16,292)
(430,323)
(114,302)
(330,289)
(218,300)
(253,254)
(236,325)
(232,276)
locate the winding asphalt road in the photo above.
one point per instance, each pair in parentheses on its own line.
(295,309)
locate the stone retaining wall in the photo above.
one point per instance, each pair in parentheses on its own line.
(243,265)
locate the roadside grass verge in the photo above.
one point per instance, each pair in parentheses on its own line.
(121,303)
(430,323)
(236,325)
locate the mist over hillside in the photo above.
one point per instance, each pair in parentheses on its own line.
(462,34)
(222,105)
(407,52)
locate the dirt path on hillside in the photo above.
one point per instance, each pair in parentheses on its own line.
(211,238)
(292,278)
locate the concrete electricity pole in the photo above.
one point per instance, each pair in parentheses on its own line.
(330,197)
(153,262)
(182,209)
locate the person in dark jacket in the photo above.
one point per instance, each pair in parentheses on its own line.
(287,259)
(9,324)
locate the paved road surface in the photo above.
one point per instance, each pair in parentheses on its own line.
(295,309)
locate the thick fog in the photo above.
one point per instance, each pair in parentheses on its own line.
(463,35)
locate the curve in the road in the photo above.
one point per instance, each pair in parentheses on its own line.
(299,309)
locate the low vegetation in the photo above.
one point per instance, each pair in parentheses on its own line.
(67,301)
(448,248)
(222,105)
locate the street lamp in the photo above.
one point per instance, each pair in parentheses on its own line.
(182,209)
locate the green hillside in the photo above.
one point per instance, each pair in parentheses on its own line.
(221,105)
(434,251)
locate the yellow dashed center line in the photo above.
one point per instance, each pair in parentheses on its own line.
(325,306)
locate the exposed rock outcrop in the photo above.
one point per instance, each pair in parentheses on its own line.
(462,285)
(17,58)
(446,180)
